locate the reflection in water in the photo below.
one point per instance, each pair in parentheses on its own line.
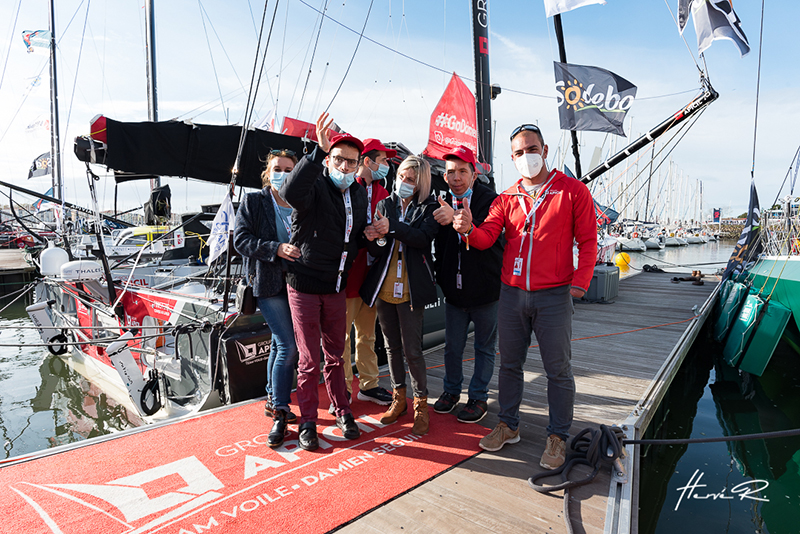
(731,403)
(43,401)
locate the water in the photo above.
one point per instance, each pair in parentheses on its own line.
(706,258)
(708,398)
(43,401)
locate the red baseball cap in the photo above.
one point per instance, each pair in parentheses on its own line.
(464,154)
(346,137)
(375,144)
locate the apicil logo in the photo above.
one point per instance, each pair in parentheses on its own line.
(253,351)
(130,505)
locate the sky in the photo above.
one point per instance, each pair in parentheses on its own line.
(387,84)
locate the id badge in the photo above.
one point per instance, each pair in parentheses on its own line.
(398,290)
(518,267)
(458,281)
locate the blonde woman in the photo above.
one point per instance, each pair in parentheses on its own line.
(401,283)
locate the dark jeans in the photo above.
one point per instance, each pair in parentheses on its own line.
(402,331)
(548,314)
(455,339)
(283,354)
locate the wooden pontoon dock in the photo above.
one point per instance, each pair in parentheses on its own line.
(622,353)
(15,271)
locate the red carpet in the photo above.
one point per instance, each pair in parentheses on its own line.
(215,473)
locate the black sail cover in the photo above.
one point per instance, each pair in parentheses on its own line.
(200,151)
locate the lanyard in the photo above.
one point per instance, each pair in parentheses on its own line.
(348,208)
(455,202)
(402,217)
(530,216)
(278,213)
(460,238)
(369,204)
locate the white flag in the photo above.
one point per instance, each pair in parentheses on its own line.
(268,122)
(223,221)
(554,7)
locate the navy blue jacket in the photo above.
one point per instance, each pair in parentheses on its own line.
(480,269)
(256,239)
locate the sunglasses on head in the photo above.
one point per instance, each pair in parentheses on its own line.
(283,152)
(525,128)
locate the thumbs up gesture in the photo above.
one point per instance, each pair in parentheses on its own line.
(444,213)
(381,224)
(462,219)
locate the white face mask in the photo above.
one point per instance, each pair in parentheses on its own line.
(529,165)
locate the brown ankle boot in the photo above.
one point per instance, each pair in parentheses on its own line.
(421,416)
(398,407)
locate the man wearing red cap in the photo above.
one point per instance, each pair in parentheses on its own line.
(542,215)
(373,167)
(330,214)
(470,281)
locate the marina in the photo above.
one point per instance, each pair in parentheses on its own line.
(134,349)
(619,349)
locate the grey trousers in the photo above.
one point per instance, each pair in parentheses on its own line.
(402,333)
(548,314)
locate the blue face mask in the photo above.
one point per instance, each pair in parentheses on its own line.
(466,193)
(342,180)
(404,190)
(277,178)
(381,173)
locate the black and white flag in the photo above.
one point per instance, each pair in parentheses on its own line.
(749,245)
(591,98)
(713,19)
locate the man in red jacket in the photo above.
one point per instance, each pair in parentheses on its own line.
(542,215)
(373,167)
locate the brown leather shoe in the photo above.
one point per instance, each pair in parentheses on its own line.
(421,416)
(398,407)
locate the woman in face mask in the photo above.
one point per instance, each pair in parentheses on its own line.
(401,282)
(261,236)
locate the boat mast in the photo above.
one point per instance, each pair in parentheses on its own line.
(55,146)
(562,54)
(152,98)
(484,92)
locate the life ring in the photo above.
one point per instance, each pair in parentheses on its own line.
(635,235)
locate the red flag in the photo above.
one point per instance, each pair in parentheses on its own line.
(298,128)
(453,122)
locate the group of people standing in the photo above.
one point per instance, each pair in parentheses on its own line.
(328,248)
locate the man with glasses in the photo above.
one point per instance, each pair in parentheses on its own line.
(330,214)
(542,214)
(470,281)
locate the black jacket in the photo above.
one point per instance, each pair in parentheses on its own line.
(417,233)
(480,269)
(318,226)
(256,239)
